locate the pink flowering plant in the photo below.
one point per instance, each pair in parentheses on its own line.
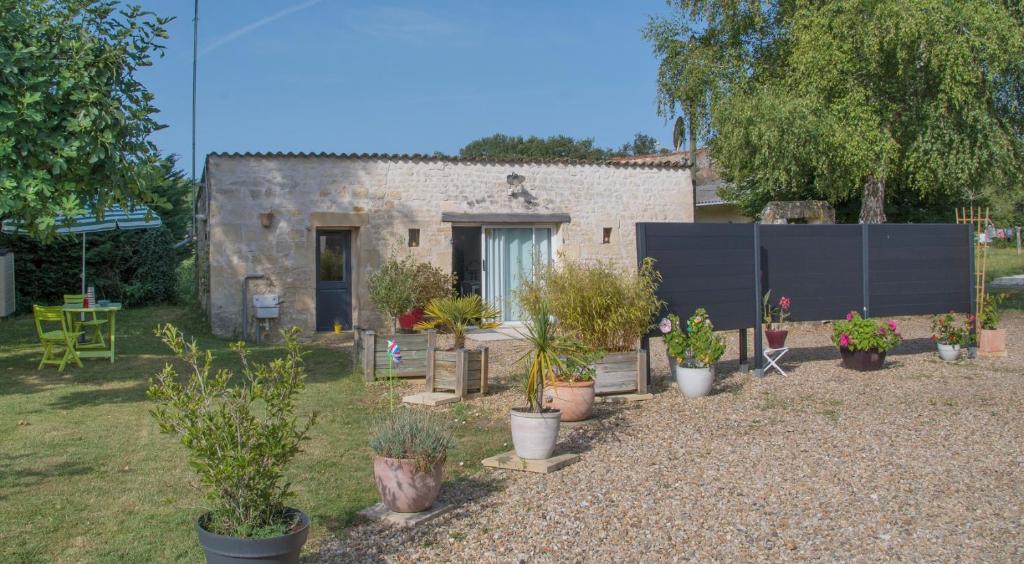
(858,333)
(695,345)
(771,313)
(947,331)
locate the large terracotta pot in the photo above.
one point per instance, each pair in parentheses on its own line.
(574,399)
(863,361)
(776,338)
(404,488)
(992,342)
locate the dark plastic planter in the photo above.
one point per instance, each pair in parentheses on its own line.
(863,361)
(284,549)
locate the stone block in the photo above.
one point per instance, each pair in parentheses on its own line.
(380,512)
(510,461)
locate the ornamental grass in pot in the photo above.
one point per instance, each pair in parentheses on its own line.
(694,348)
(535,427)
(863,342)
(241,434)
(991,339)
(603,306)
(773,331)
(410,446)
(950,336)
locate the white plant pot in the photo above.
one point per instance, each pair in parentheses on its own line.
(694,382)
(949,352)
(534,434)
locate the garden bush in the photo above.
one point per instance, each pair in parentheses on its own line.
(402,284)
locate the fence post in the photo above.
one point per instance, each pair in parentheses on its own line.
(369,356)
(744,365)
(758,292)
(865,275)
(1017,231)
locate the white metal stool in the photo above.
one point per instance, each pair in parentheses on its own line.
(773,356)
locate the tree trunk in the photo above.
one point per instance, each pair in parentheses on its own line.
(872,205)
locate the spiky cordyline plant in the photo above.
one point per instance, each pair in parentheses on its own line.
(454,314)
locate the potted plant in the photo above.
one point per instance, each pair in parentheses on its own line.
(606,309)
(949,336)
(773,331)
(863,342)
(571,387)
(410,447)
(535,427)
(458,369)
(241,435)
(991,339)
(695,349)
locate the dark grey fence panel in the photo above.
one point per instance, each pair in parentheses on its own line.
(709,265)
(817,266)
(919,269)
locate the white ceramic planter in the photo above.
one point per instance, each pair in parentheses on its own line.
(534,434)
(694,382)
(949,352)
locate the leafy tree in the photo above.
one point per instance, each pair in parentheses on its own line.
(881,100)
(642,145)
(74,121)
(500,146)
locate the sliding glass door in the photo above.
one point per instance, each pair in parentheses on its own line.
(509,255)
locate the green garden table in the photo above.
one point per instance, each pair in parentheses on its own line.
(111,312)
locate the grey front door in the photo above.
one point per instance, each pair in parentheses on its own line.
(333,279)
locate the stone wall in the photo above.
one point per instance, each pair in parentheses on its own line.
(381,198)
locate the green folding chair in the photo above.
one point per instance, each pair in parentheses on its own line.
(97,340)
(51,339)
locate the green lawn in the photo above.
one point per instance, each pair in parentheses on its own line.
(86,477)
(1006,262)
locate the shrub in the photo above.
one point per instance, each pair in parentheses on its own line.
(186,283)
(240,435)
(946,330)
(412,433)
(604,307)
(990,313)
(454,314)
(401,285)
(695,346)
(860,334)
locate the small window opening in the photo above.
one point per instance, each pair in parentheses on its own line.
(606,236)
(414,237)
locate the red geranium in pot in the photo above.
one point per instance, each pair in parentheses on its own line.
(773,331)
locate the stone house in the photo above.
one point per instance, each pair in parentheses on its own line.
(310,228)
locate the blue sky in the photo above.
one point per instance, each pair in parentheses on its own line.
(403,77)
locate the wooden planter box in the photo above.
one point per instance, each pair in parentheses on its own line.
(462,372)
(371,353)
(621,373)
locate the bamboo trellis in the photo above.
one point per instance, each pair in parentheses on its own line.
(980,220)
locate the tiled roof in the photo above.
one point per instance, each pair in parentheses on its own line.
(452,159)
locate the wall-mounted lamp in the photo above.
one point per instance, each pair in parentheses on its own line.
(267,219)
(515,184)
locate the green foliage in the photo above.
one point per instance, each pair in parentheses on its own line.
(430,283)
(185,277)
(401,284)
(946,330)
(514,147)
(240,435)
(543,361)
(862,334)
(990,314)
(412,434)
(696,346)
(604,307)
(641,145)
(454,314)
(133,267)
(74,120)
(899,101)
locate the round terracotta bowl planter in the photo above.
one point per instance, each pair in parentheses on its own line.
(992,342)
(863,361)
(574,399)
(284,549)
(776,338)
(404,488)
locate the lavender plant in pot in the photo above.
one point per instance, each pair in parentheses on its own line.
(410,446)
(773,331)
(241,435)
(695,348)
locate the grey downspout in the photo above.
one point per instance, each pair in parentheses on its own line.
(245,303)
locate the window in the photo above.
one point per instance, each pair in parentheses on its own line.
(414,237)
(331,248)
(606,236)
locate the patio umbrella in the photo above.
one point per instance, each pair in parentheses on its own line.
(114,217)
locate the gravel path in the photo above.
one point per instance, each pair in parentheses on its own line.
(922,461)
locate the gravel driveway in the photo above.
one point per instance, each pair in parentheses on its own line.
(922,461)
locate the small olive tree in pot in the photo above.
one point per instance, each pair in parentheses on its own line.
(241,434)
